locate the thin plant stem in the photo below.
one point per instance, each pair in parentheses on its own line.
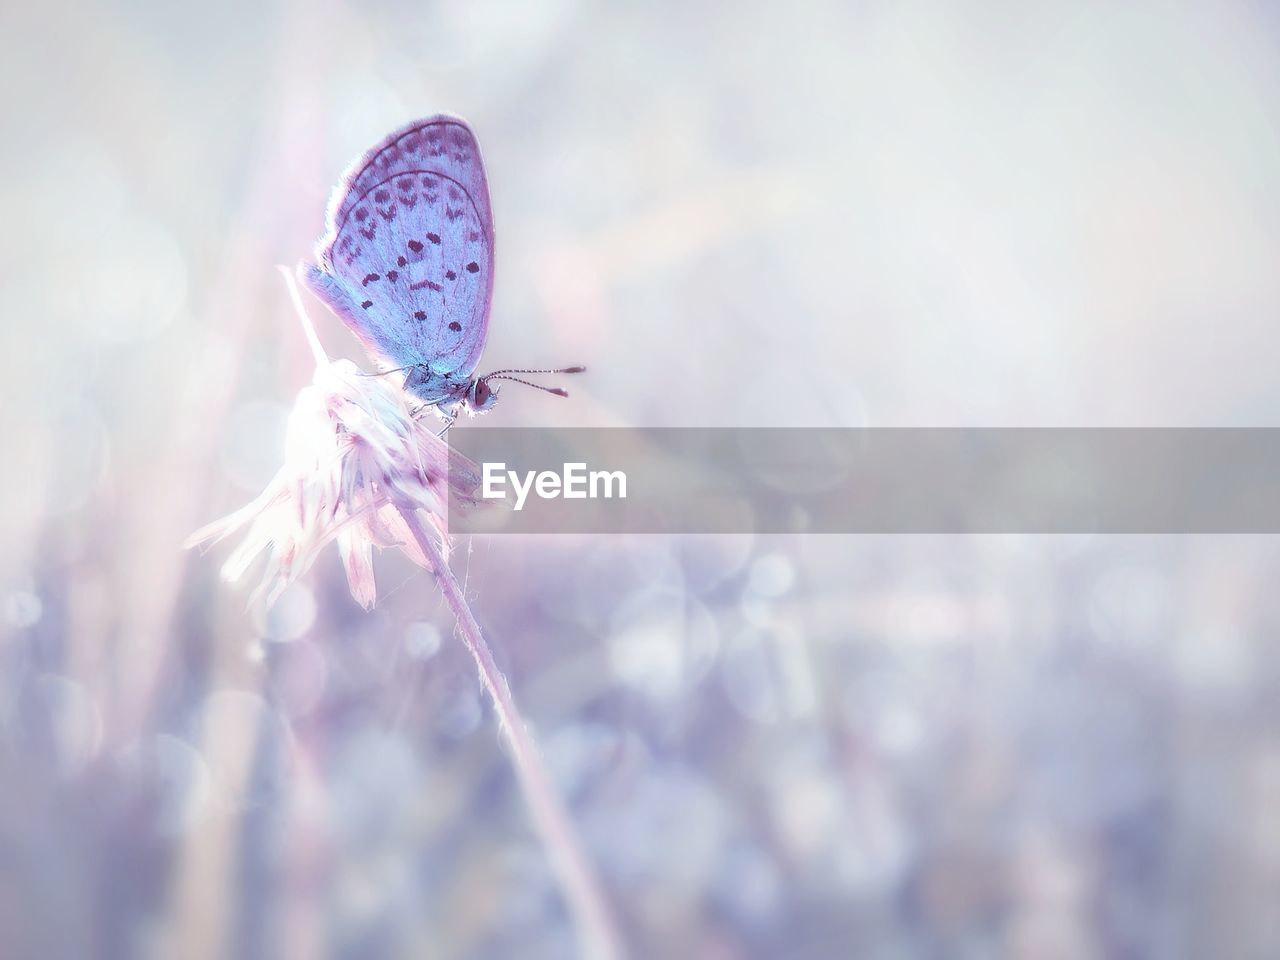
(322,358)
(577,877)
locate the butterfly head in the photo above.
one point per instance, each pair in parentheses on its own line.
(481,396)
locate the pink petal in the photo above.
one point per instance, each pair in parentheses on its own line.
(357,558)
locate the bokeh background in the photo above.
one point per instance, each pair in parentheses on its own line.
(816,213)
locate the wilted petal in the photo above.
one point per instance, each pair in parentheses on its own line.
(357,559)
(275,492)
(396,531)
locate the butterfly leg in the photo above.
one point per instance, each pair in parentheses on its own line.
(447,424)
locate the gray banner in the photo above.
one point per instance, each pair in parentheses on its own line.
(873,480)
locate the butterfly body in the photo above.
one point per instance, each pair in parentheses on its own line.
(406,261)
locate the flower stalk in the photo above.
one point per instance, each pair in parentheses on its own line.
(360,469)
(573,868)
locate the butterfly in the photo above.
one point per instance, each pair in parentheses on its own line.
(406,262)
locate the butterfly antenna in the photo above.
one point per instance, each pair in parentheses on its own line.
(558,391)
(496,373)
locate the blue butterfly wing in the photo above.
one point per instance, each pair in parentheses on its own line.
(407,259)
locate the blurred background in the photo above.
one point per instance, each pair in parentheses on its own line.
(818,213)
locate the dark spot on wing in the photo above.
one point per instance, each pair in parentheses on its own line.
(367,304)
(473,267)
(415,246)
(388,214)
(433,237)
(369,278)
(362,214)
(392,276)
(401,261)
(382,196)
(455,326)
(420,315)
(449,274)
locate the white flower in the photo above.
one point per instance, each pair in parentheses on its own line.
(357,464)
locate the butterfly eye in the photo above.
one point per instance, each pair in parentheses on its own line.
(481,394)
